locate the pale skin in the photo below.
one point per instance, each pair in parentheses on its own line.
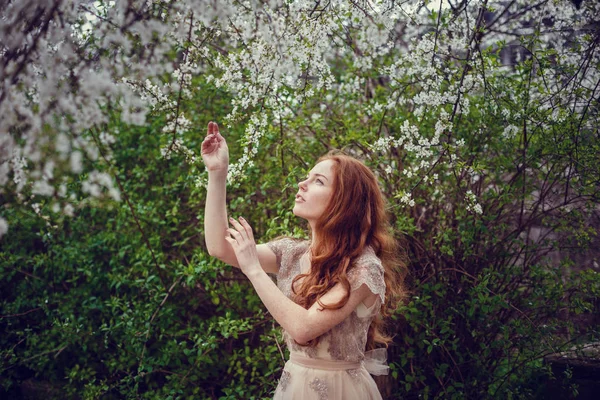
(234,244)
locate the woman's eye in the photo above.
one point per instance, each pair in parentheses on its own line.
(320,182)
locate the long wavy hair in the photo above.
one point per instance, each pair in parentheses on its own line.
(354,219)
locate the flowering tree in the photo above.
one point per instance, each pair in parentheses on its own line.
(478,116)
(408,66)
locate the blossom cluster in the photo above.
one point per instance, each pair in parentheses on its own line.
(472,204)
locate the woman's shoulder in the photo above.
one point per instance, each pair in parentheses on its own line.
(285,245)
(368,258)
(288,239)
(368,269)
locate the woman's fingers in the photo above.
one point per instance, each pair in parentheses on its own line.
(247,228)
(208,139)
(216,131)
(208,145)
(239,228)
(234,233)
(213,132)
(234,237)
(214,135)
(242,227)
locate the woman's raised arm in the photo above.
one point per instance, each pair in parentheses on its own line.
(216,158)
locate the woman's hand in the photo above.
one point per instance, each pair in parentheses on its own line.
(242,240)
(214,149)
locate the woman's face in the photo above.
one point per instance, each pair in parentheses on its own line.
(315,192)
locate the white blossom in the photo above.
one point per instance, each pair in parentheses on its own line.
(406,198)
(3,227)
(75,161)
(42,188)
(510,131)
(272,58)
(471,203)
(68,210)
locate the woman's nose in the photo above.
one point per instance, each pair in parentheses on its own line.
(302,185)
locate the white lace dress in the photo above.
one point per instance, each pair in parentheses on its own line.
(338,367)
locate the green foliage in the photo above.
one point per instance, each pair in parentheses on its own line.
(124,302)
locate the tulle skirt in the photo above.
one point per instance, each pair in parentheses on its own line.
(305,378)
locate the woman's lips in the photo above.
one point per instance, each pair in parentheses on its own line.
(299,198)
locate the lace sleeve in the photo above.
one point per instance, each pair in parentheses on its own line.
(368,270)
(277,247)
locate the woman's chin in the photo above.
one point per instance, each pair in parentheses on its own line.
(297,212)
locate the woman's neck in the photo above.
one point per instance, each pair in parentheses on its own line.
(313,232)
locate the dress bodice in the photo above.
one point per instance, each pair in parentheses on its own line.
(347,340)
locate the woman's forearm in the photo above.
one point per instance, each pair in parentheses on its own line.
(291,316)
(302,324)
(215,215)
(305,324)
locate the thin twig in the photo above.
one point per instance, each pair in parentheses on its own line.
(20,314)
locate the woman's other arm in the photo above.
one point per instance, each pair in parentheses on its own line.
(216,158)
(302,324)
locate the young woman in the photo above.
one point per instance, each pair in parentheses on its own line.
(331,291)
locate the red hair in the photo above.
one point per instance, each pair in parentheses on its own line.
(354,219)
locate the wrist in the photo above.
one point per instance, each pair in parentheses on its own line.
(218,173)
(254,272)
